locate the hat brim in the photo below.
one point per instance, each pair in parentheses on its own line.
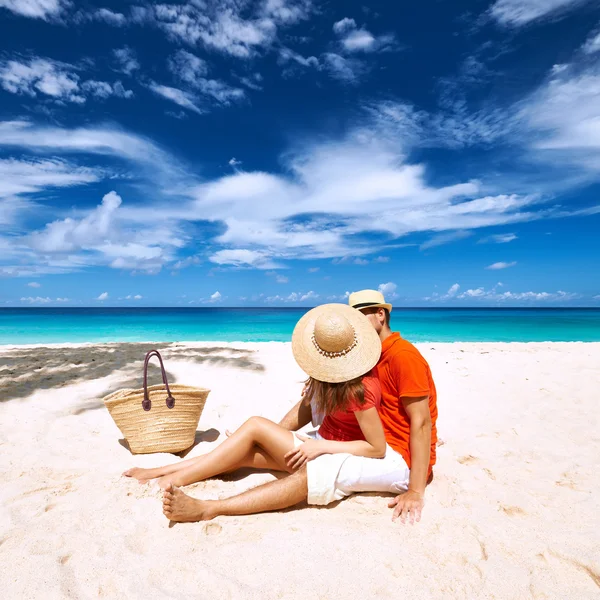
(358,361)
(372,305)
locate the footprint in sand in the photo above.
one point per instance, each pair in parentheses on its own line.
(64,559)
(468,459)
(490,474)
(512,511)
(212,529)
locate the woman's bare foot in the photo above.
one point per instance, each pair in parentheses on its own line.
(142,475)
(179,507)
(166,480)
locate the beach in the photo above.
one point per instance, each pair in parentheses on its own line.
(513,510)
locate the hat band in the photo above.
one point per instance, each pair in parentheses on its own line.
(365,304)
(334,354)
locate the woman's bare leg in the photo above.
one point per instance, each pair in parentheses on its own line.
(259,443)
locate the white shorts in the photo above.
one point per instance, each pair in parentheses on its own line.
(333,477)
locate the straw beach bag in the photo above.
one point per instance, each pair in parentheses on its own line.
(158,418)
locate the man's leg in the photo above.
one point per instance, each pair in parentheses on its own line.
(275,495)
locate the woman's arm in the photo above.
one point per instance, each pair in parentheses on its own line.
(373,446)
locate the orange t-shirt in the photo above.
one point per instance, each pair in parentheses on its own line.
(403,372)
(342,425)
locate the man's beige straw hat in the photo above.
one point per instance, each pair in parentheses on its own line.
(335,343)
(368,299)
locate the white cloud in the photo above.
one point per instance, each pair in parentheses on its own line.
(216,297)
(313,269)
(344,25)
(70,234)
(500,238)
(388,290)
(190,70)
(453,290)
(225,26)
(109,17)
(34,175)
(101,141)
(309,296)
(287,11)
(355,39)
(243,258)
(187,66)
(102,296)
(39,75)
(516,13)
(36,9)
(501,265)
(592,45)
(293,297)
(137,297)
(233,162)
(126,59)
(563,116)
(105,236)
(180,97)
(381,259)
(56,80)
(500,297)
(34,284)
(62,300)
(103,89)
(281,279)
(347,70)
(444,238)
(287,55)
(36,300)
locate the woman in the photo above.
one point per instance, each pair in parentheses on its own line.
(337,347)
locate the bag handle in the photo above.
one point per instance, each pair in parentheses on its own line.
(146,402)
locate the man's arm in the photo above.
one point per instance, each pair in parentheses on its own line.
(411,503)
(298,416)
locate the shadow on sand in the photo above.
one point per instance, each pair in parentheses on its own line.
(24,371)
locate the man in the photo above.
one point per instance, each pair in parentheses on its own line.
(408,412)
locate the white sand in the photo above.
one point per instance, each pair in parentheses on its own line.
(513,512)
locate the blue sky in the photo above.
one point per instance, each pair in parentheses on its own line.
(286,152)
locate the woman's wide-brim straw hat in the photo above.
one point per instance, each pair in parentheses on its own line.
(335,343)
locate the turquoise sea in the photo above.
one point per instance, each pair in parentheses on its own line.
(51,325)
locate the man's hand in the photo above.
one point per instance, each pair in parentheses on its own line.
(410,504)
(309,450)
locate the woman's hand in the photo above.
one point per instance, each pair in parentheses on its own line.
(309,450)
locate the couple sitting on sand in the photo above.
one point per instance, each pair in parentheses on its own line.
(372,394)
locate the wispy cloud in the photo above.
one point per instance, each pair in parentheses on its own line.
(180,97)
(103,296)
(34,175)
(501,265)
(225,26)
(54,80)
(444,238)
(126,59)
(388,290)
(36,9)
(358,39)
(516,13)
(499,238)
(191,70)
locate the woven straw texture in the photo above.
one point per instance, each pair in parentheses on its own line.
(160,429)
(335,343)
